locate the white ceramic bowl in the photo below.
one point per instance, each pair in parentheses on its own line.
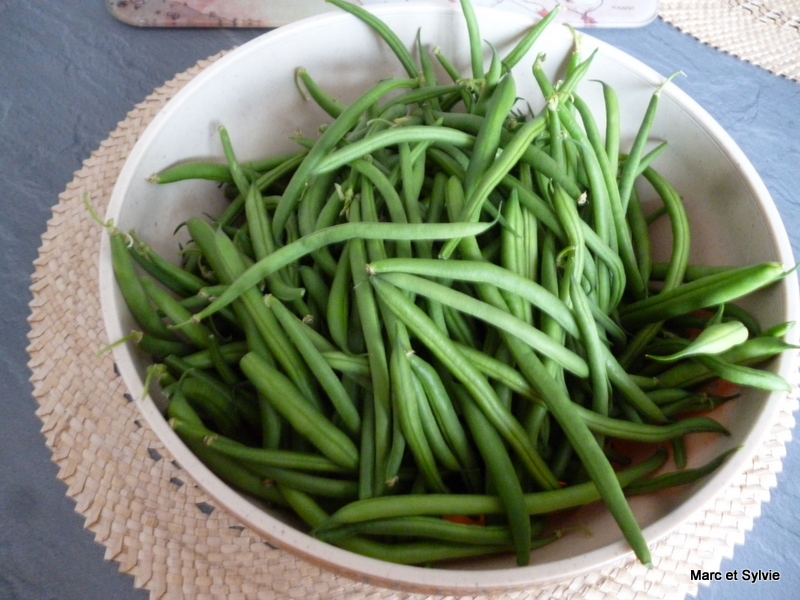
(251,92)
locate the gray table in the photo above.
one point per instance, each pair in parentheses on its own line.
(69,72)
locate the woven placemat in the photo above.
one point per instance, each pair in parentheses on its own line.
(165,531)
(763,32)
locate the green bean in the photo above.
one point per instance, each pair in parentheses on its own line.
(458,325)
(324,100)
(502,475)
(643,432)
(681,244)
(298,411)
(172,276)
(702,293)
(612,138)
(543,81)
(204,237)
(157,347)
(133,293)
(391,137)
(631,166)
(640,236)
(230,470)
(369,314)
(221,364)
(439,447)
(287,459)
(213,402)
(317,365)
(744,375)
(426,64)
(753,351)
(609,174)
(411,185)
(366,464)
(494,174)
(240,178)
(514,253)
(445,414)
(476,504)
(316,286)
(442,347)
(267,325)
(331,235)
(424,94)
(488,137)
(695,403)
(317,485)
(608,215)
(326,142)
(347,363)
(532,155)
(567,213)
(425,552)
(391,39)
(196,333)
(231,352)
(405,553)
(424,527)
(524,45)
(488,313)
(338,307)
(714,339)
(631,389)
(592,457)
(217,171)
(404,398)
(385,187)
(679,258)
(491,79)
(576,72)
(263,182)
(650,485)
(593,344)
(776,331)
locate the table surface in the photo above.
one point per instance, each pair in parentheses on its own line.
(70,72)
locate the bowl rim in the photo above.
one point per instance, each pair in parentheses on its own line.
(415,578)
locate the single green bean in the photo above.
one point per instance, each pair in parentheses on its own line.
(324,100)
(477,504)
(702,293)
(337,233)
(524,45)
(649,485)
(391,39)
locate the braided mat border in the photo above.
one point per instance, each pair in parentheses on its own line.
(164,531)
(765,33)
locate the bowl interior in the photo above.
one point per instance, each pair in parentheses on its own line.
(251,92)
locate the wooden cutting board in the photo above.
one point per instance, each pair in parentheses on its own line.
(274,13)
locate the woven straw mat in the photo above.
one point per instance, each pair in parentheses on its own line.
(164,530)
(763,32)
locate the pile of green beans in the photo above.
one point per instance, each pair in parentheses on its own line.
(430,328)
